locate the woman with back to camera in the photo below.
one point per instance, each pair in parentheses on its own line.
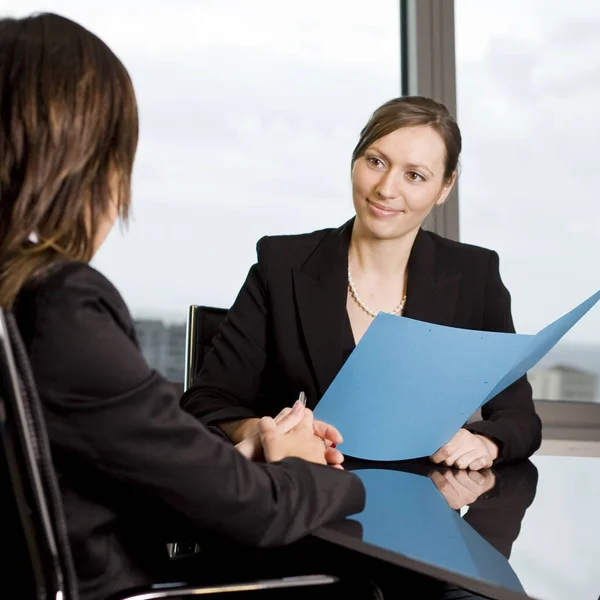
(130,461)
(309,298)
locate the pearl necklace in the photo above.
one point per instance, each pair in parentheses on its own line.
(397,311)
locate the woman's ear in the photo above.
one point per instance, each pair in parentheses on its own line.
(446,189)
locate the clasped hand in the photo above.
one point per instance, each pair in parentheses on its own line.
(467,450)
(294,432)
(462,488)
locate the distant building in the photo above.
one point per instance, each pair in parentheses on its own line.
(151,333)
(163,346)
(563,383)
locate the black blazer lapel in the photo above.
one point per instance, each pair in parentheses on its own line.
(432,291)
(320,289)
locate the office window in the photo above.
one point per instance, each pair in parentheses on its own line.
(249,111)
(528,91)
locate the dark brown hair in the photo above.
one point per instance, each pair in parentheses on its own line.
(413,111)
(68,136)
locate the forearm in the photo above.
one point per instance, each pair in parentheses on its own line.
(220,412)
(157,447)
(240,429)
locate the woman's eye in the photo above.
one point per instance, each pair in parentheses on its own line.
(414,176)
(376,162)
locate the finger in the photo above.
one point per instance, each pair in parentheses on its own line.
(444,452)
(327,432)
(450,477)
(307,419)
(333,456)
(292,419)
(480,462)
(448,482)
(468,445)
(267,427)
(489,477)
(452,458)
(445,488)
(449,449)
(471,480)
(438,479)
(466,491)
(463,461)
(477,477)
(286,411)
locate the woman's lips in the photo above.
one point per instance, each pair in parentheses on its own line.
(382,211)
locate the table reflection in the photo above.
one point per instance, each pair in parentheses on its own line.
(542,515)
(461,522)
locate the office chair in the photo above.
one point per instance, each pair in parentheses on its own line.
(32,516)
(202,325)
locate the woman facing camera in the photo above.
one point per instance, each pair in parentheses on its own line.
(131,463)
(310,298)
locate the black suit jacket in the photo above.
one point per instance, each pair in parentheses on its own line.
(134,469)
(284,333)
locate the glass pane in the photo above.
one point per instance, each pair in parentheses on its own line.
(528,86)
(249,112)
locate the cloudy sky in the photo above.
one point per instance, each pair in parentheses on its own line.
(250,111)
(528,78)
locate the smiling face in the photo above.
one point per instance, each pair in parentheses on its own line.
(398,180)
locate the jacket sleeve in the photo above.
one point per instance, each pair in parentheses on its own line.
(105,408)
(509,418)
(228,384)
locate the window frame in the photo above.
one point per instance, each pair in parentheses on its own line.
(429,69)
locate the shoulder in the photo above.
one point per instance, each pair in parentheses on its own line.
(292,248)
(79,335)
(455,248)
(75,282)
(460,256)
(69,289)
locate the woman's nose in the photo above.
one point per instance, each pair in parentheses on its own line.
(387,188)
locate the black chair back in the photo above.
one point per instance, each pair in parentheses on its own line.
(32,517)
(203,324)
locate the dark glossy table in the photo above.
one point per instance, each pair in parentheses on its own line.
(533,530)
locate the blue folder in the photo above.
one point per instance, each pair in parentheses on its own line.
(406,514)
(409,386)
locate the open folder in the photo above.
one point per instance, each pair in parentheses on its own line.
(409,386)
